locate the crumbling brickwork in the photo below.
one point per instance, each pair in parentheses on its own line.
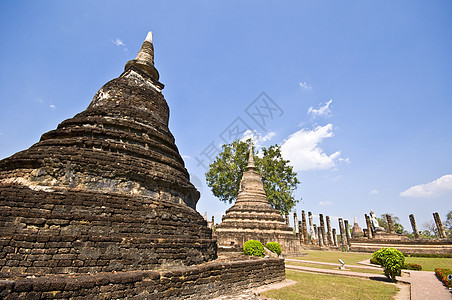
(99,204)
(80,232)
(204,281)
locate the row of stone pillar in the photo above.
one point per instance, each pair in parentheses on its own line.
(322,235)
(439,225)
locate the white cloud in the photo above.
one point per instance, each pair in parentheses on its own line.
(325,203)
(305,86)
(257,138)
(432,189)
(322,110)
(373,192)
(52,106)
(118,42)
(303,149)
(186,157)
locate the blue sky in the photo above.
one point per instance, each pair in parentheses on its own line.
(357,93)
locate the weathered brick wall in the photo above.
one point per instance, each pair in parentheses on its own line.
(79,232)
(204,281)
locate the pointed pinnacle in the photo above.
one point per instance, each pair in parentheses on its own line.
(145,58)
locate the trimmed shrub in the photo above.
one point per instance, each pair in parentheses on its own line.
(274,247)
(445,276)
(254,248)
(377,257)
(416,267)
(391,260)
(374,261)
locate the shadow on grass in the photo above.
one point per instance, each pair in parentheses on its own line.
(382,279)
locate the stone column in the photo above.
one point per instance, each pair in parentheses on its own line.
(301,235)
(343,237)
(390,224)
(286,216)
(213,223)
(305,228)
(329,234)
(295,223)
(413,225)
(312,229)
(315,235)
(439,225)
(347,232)
(320,235)
(369,227)
(334,237)
(322,225)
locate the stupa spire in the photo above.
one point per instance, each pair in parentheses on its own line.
(145,58)
(251,165)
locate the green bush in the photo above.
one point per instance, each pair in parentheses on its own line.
(274,247)
(254,248)
(377,257)
(416,267)
(392,261)
(374,261)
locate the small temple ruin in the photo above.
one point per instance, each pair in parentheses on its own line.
(103,207)
(252,217)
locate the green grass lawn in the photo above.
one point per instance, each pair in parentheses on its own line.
(429,264)
(376,271)
(351,258)
(319,286)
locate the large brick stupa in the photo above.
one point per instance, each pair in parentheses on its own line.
(252,217)
(105,191)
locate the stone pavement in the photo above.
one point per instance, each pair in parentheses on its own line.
(425,285)
(364,266)
(338,272)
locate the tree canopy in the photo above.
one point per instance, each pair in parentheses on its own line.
(278,177)
(398,228)
(448,224)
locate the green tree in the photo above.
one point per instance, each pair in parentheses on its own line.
(278,177)
(429,230)
(398,228)
(448,224)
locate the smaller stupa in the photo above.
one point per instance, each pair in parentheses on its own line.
(252,217)
(356,230)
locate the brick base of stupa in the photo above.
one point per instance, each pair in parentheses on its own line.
(204,281)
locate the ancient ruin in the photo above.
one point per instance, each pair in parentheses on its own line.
(252,218)
(104,204)
(373,239)
(356,230)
